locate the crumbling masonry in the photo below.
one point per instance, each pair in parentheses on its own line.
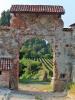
(41,21)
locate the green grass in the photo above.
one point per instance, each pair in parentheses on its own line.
(72,87)
(38,98)
(28,81)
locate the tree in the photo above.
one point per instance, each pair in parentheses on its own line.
(36,48)
(5,18)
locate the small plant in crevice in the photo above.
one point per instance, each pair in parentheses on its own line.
(38,98)
(70,86)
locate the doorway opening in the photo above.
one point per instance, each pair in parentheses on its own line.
(35,65)
(0,72)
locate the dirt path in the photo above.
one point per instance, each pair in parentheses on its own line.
(35,87)
(6,94)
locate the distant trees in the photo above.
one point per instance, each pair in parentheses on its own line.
(5,18)
(36,48)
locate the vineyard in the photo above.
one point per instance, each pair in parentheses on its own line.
(36,60)
(44,71)
(47,65)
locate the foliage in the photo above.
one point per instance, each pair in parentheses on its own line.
(71,86)
(5,18)
(35,60)
(29,66)
(36,48)
(38,98)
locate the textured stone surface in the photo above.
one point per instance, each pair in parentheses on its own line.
(50,27)
(4,79)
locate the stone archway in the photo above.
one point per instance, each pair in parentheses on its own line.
(50,40)
(25,25)
(23,35)
(11,47)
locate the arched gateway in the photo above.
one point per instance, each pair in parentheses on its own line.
(28,21)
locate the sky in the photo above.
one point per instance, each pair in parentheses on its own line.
(69,6)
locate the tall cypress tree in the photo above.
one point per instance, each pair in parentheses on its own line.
(5,18)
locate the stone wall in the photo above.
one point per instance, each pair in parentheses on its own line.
(73,54)
(28,25)
(47,27)
(9,49)
(4,79)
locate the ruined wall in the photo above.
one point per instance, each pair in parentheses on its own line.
(25,20)
(4,79)
(63,58)
(73,54)
(8,49)
(28,25)
(69,52)
(47,27)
